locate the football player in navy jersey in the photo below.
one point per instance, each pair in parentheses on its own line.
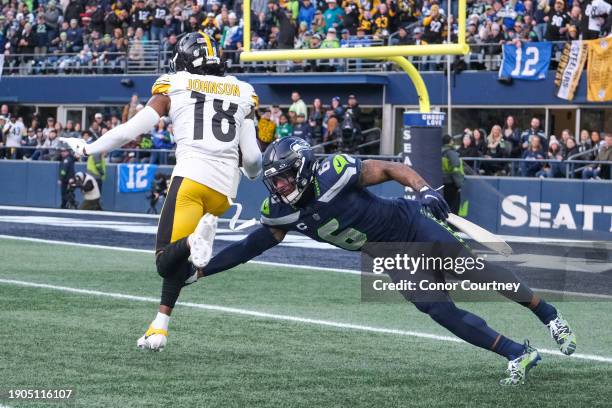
(328,201)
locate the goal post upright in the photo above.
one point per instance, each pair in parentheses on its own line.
(395,53)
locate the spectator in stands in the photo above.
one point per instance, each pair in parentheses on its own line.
(557,21)
(337,108)
(533,156)
(497,148)
(333,15)
(162,140)
(468,149)
(605,154)
(351,17)
(315,120)
(52,18)
(353,109)
(552,169)
(159,14)
(585,145)
(331,39)
(129,110)
(565,136)
(570,149)
(435,25)
(512,136)
(53,144)
(534,129)
(298,106)
(332,133)
(266,129)
(41,35)
(306,13)
(402,37)
(12,134)
(301,128)
(283,129)
(74,35)
(595,138)
(30,142)
(479,141)
(286,26)
(276,113)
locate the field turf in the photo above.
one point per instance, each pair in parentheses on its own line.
(51,337)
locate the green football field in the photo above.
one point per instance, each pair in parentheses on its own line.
(264,336)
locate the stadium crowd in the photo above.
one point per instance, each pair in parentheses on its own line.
(101,36)
(333,127)
(542,154)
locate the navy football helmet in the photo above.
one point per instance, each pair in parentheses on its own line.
(197,53)
(289,166)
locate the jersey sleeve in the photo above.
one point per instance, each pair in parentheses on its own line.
(335,174)
(278,215)
(161,85)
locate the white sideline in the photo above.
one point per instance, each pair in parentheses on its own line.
(278,264)
(273,316)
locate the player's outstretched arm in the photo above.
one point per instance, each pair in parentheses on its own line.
(142,122)
(257,242)
(251,155)
(378,171)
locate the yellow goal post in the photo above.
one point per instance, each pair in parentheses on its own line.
(394,53)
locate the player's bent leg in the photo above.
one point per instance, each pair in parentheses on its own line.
(201,240)
(431,229)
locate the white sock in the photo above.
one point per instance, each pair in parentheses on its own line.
(161,321)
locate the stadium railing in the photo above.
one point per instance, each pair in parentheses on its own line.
(151,58)
(473,164)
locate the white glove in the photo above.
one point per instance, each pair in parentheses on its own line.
(77,145)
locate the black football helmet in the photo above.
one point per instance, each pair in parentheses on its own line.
(290,159)
(197,53)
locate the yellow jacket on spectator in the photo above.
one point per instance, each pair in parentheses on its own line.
(266,128)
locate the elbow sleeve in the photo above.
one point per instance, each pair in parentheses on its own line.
(141,123)
(251,155)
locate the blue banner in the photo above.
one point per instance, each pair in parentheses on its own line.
(135,178)
(530,61)
(418,119)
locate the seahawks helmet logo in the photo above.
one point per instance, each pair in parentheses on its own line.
(299,145)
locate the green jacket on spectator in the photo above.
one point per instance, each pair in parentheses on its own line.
(96,166)
(283,130)
(330,43)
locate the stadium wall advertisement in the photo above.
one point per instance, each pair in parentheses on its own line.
(555,208)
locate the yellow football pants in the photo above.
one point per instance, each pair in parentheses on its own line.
(187,201)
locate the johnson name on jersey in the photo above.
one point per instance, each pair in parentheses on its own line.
(342,212)
(207,113)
